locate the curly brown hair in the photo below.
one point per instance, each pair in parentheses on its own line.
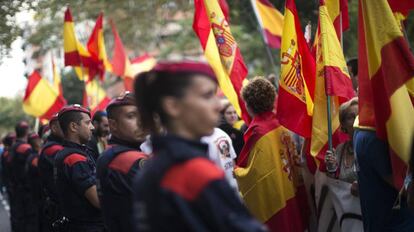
(259,95)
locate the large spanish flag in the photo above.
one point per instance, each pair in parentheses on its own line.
(268,178)
(270,20)
(122,66)
(332,78)
(296,83)
(221,51)
(388,75)
(41,99)
(96,47)
(76,54)
(338,12)
(95,97)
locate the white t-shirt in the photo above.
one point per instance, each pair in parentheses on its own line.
(221,152)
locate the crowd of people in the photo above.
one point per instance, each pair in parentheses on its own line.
(172,156)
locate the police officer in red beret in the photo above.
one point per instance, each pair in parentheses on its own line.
(119,163)
(75,172)
(46,162)
(19,198)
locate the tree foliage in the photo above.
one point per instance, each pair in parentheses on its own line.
(11,112)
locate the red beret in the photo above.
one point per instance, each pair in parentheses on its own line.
(74,107)
(127,98)
(34,136)
(54,117)
(185,67)
(23,124)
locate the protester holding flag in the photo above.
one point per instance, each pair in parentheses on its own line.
(267,177)
(180,189)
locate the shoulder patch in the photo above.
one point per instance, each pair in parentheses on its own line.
(190,178)
(52,150)
(22,148)
(35,161)
(124,161)
(74,158)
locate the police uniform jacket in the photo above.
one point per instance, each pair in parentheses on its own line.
(180,189)
(116,169)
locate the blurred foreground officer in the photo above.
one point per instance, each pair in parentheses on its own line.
(19,194)
(118,165)
(46,163)
(180,189)
(75,172)
(33,180)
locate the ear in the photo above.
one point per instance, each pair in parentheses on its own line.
(113,125)
(171,107)
(73,127)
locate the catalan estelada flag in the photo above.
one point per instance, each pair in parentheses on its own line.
(267,177)
(76,54)
(270,20)
(296,83)
(96,47)
(388,75)
(95,97)
(221,51)
(332,78)
(41,99)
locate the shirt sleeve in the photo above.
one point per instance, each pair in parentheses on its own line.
(82,176)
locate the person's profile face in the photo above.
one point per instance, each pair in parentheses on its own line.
(85,128)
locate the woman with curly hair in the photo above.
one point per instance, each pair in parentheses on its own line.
(266,173)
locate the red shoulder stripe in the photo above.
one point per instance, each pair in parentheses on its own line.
(6,154)
(74,158)
(190,178)
(124,161)
(52,150)
(35,161)
(22,148)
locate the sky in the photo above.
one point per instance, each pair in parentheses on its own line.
(12,79)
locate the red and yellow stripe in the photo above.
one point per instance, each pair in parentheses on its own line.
(270,20)
(332,78)
(96,97)
(96,47)
(267,177)
(389,77)
(41,99)
(221,51)
(296,84)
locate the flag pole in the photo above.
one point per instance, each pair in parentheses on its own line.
(268,51)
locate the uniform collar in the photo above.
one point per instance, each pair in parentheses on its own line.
(53,138)
(178,148)
(67,143)
(114,140)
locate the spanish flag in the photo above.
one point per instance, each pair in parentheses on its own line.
(57,81)
(95,97)
(296,83)
(401,9)
(96,47)
(76,54)
(267,177)
(388,76)
(332,78)
(41,99)
(221,51)
(338,12)
(270,20)
(122,66)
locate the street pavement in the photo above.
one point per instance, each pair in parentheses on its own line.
(4,214)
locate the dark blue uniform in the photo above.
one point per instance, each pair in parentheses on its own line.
(33,180)
(19,188)
(46,162)
(180,189)
(116,169)
(75,172)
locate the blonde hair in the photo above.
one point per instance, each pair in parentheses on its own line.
(344,108)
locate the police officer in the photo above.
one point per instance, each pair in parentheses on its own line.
(75,172)
(19,195)
(118,164)
(180,189)
(51,211)
(8,142)
(33,183)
